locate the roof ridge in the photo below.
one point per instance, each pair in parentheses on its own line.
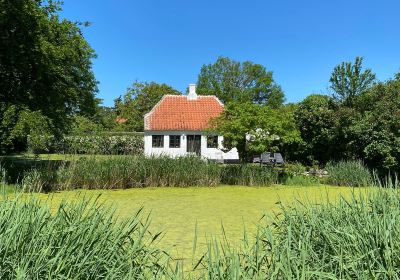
(177,112)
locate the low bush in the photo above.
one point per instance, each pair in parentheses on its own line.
(41,144)
(76,241)
(301,180)
(103,144)
(356,238)
(294,169)
(248,175)
(349,173)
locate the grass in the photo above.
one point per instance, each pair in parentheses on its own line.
(179,213)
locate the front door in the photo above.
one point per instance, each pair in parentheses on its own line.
(194,144)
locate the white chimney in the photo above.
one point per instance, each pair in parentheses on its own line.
(192,92)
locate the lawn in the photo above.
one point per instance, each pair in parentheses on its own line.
(177,211)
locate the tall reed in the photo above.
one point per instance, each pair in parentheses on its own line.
(349,173)
(79,240)
(356,238)
(140,171)
(248,175)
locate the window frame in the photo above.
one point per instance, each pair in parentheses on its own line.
(212,142)
(155,143)
(176,140)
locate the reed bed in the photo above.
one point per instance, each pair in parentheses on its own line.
(249,175)
(141,171)
(79,240)
(355,238)
(131,172)
(119,172)
(352,239)
(349,173)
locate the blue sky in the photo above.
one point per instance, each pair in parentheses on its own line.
(300,41)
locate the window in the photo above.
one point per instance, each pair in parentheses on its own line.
(158,141)
(212,141)
(174,141)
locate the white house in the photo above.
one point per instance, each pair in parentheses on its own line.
(177,124)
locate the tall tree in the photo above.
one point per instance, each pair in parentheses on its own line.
(376,135)
(139,100)
(349,80)
(254,128)
(316,119)
(45,62)
(237,81)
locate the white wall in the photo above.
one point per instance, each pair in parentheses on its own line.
(210,153)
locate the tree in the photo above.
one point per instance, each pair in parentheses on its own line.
(316,119)
(8,120)
(231,81)
(106,118)
(376,135)
(349,80)
(254,128)
(83,125)
(139,100)
(32,129)
(45,62)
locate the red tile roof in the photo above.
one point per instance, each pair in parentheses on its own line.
(121,120)
(175,112)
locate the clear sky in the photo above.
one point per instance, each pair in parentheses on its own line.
(300,41)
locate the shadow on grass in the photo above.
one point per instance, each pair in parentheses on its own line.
(17,165)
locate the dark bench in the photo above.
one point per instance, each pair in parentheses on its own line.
(269,158)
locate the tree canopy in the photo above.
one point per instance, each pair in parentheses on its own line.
(376,135)
(139,99)
(233,81)
(254,128)
(349,80)
(45,62)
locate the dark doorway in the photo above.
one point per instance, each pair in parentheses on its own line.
(194,144)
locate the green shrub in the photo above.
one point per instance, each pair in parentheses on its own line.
(293,169)
(248,175)
(356,238)
(41,144)
(76,241)
(301,180)
(33,131)
(103,144)
(349,173)
(83,125)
